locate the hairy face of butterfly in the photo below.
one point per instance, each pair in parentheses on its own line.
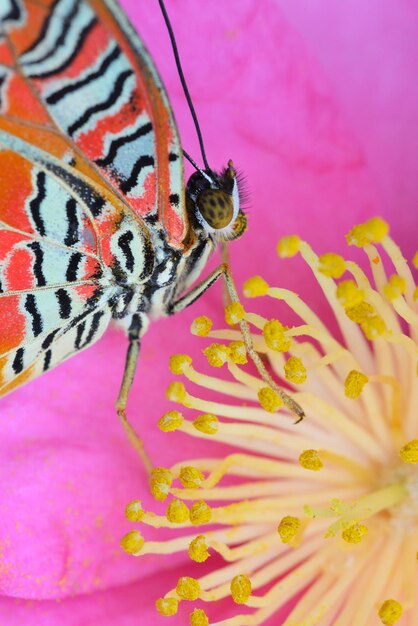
(213,200)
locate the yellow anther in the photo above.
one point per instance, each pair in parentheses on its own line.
(374,327)
(198,618)
(354,533)
(288,528)
(170,421)
(134,511)
(275,337)
(288,246)
(409,452)
(361,312)
(390,612)
(295,371)
(160,482)
(415,260)
(188,588)
(332,265)
(132,542)
(201,326)
(234,313)
(377,229)
(310,460)
(354,384)
(255,287)
(176,392)
(237,352)
(167,606)
(179,363)
(241,588)
(191,477)
(206,423)
(269,399)
(349,294)
(373,231)
(217,354)
(358,236)
(415,294)
(177,512)
(198,549)
(395,287)
(200,513)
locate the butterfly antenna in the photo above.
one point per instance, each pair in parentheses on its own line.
(185,88)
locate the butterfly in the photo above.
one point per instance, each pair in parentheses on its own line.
(96,221)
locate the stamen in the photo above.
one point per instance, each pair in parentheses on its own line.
(359,396)
(241,589)
(188,588)
(199,618)
(390,612)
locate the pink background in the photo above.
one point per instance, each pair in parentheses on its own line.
(316,103)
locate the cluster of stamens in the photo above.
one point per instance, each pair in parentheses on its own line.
(325,511)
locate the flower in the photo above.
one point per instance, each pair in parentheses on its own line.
(290,100)
(322,514)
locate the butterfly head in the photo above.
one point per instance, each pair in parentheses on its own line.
(214,201)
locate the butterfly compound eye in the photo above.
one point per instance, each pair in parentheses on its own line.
(216,207)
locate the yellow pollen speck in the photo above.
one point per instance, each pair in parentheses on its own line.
(373,231)
(377,228)
(176,392)
(179,363)
(206,423)
(241,588)
(160,482)
(360,313)
(132,542)
(237,352)
(288,528)
(354,384)
(390,612)
(349,294)
(217,354)
(198,618)
(177,512)
(170,421)
(269,399)
(201,326)
(255,287)
(295,371)
(234,313)
(354,533)
(288,246)
(415,260)
(191,477)
(310,460)
(134,511)
(395,287)
(200,513)
(332,265)
(275,337)
(409,452)
(188,588)
(167,606)
(198,549)
(373,327)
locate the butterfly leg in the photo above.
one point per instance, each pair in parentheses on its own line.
(128,377)
(226,298)
(190,297)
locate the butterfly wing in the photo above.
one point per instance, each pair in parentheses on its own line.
(89,158)
(76,77)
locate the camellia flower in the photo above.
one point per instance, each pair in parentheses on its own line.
(316,105)
(327,508)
